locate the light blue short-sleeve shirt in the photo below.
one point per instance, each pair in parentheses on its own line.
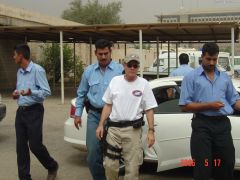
(94,84)
(183,70)
(197,87)
(34,78)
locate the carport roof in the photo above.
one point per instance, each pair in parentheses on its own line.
(174,32)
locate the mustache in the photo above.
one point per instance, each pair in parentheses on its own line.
(209,66)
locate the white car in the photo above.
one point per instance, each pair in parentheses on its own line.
(172,127)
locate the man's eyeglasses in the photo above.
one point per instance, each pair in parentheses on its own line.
(135,66)
(101,54)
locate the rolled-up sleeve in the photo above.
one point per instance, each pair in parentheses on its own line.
(187,90)
(231,94)
(43,89)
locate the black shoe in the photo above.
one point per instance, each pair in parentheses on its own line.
(52,174)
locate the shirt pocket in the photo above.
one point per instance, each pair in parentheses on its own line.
(221,93)
(94,87)
(29,85)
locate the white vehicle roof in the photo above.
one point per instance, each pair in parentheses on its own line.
(167,81)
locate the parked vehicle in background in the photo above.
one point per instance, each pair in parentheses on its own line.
(172,127)
(163,62)
(236,65)
(2,109)
(224,63)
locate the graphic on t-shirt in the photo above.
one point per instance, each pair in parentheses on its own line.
(137,93)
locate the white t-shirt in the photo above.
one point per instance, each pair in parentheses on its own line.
(129,99)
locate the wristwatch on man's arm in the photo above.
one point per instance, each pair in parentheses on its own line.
(151,129)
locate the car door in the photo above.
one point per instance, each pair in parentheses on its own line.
(235,122)
(172,128)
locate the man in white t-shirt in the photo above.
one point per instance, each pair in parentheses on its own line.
(126,98)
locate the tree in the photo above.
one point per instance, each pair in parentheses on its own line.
(228,49)
(93,12)
(51,61)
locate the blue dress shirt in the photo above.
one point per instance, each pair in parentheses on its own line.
(34,78)
(94,83)
(183,70)
(197,87)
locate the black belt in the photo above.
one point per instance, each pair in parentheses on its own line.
(136,123)
(26,108)
(199,115)
(99,110)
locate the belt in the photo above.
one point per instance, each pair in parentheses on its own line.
(138,122)
(26,108)
(99,110)
(199,115)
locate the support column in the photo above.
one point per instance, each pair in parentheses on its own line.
(62,74)
(140,53)
(158,57)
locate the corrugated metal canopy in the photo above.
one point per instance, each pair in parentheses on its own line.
(175,32)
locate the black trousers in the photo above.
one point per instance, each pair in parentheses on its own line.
(28,124)
(212,148)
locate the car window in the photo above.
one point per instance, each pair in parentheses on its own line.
(167,99)
(179,83)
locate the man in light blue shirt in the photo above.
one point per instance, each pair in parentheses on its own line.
(184,67)
(31,90)
(210,94)
(95,81)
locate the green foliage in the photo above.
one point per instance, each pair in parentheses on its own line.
(228,49)
(93,12)
(51,61)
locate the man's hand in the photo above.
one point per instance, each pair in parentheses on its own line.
(15,94)
(26,93)
(150,138)
(99,132)
(237,105)
(77,122)
(216,105)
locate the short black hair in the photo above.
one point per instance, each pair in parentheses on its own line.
(23,49)
(103,43)
(183,58)
(211,48)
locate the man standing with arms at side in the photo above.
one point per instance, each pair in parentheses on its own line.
(32,88)
(184,67)
(95,80)
(126,98)
(210,94)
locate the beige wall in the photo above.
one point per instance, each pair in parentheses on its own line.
(83,52)
(8,67)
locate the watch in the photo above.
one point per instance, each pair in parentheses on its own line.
(151,129)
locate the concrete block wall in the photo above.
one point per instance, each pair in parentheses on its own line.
(8,68)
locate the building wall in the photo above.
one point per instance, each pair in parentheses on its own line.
(83,53)
(8,67)
(203,17)
(200,17)
(12,16)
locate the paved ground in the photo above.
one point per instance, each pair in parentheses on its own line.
(72,161)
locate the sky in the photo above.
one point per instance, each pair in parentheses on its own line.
(133,11)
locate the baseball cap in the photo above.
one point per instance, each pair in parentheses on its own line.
(132,57)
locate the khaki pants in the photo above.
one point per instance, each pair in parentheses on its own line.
(129,139)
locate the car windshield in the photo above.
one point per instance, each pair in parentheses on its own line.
(171,69)
(224,62)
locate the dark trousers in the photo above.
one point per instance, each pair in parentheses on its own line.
(212,148)
(28,126)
